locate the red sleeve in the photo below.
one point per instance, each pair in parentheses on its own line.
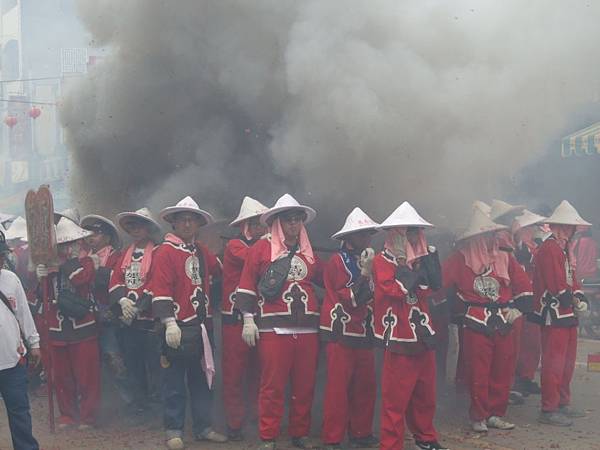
(116,286)
(80,271)
(384,277)
(318,274)
(335,279)
(247,291)
(162,283)
(550,265)
(213,264)
(520,284)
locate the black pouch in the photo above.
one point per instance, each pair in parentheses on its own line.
(72,305)
(408,278)
(432,270)
(271,283)
(191,346)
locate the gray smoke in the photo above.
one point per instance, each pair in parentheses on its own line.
(341,102)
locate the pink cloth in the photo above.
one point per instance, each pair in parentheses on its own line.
(478,257)
(104,253)
(208,362)
(278,247)
(146,259)
(505,239)
(563,235)
(246,232)
(395,237)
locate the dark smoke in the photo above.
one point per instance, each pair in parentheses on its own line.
(342,103)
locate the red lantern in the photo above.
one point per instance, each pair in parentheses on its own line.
(35,112)
(11,121)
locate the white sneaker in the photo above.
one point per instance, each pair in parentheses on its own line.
(175,443)
(479,427)
(499,423)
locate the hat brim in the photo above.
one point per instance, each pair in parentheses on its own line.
(581,223)
(471,234)
(91,218)
(344,233)
(267,216)
(169,211)
(241,220)
(84,234)
(383,227)
(516,209)
(126,215)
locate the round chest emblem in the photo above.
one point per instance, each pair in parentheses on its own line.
(487,287)
(133,276)
(192,270)
(298,270)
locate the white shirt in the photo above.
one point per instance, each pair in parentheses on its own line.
(10,335)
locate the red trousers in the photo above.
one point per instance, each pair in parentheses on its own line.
(283,358)
(491,362)
(76,368)
(240,377)
(461,378)
(349,393)
(407,393)
(530,350)
(559,350)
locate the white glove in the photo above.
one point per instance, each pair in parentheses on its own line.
(511,314)
(96,260)
(41,271)
(172,333)
(250,333)
(128,308)
(581,309)
(366,261)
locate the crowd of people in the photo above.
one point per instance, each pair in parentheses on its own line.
(146,312)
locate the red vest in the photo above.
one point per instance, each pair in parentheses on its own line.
(485,294)
(346,314)
(78,275)
(297,305)
(127,282)
(180,280)
(554,285)
(401,319)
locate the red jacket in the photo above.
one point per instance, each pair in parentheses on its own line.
(346,314)
(101,284)
(76,274)
(296,306)
(180,280)
(485,294)
(554,286)
(127,282)
(234,257)
(402,322)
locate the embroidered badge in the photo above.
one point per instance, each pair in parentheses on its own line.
(298,270)
(133,275)
(192,270)
(487,287)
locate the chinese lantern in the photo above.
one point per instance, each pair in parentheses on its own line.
(35,112)
(11,121)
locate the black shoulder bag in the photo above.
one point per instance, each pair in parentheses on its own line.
(271,283)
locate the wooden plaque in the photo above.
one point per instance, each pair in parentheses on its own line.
(41,234)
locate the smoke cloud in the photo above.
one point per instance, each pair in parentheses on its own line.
(342,103)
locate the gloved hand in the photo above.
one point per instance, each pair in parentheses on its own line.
(511,314)
(580,308)
(172,333)
(366,262)
(128,308)
(250,333)
(41,271)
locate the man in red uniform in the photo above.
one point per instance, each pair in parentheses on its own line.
(347,328)
(277,286)
(528,341)
(101,246)
(130,300)
(404,275)
(494,290)
(73,331)
(182,269)
(558,301)
(240,362)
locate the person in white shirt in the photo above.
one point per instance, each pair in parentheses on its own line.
(16,330)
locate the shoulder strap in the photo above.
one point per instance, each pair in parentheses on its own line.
(6,302)
(293,252)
